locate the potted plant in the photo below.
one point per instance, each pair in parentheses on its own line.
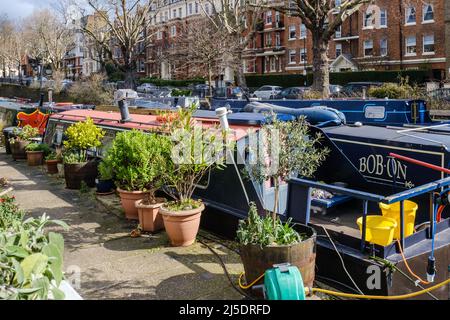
(182,216)
(105,183)
(81,137)
(22,138)
(131,155)
(148,208)
(286,149)
(36,153)
(52,161)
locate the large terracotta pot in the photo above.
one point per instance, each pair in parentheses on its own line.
(182,226)
(52,166)
(128,200)
(18,150)
(257,260)
(149,217)
(35,158)
(75,173)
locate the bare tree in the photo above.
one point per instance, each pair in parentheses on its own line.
(239,19)
(128,23)
(322,18)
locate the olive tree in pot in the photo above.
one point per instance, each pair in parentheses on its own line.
(36,153)
(81,137)
(131,155)
(22,137)
(189,164)
(286,149)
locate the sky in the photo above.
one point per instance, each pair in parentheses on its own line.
(22,8)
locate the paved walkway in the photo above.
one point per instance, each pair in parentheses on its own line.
(104,262)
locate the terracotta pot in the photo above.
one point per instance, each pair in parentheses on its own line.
(128,200)
(257,260)
(18,150)
(35,158)
(182,226)
(52,166)
(149,217)
(75,173)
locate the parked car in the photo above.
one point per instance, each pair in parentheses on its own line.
(291,93)
(202,90)
(267,92)
(335,89)
(146,88)
(356,88)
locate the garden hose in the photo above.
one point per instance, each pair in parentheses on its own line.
(407,266)
(310,291)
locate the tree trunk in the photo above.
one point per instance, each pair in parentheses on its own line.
(240,75)
(210,80)
(275,201)
(129,79)
(320,66)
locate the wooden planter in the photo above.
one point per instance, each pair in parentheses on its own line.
(257,260)
(75,173)
(18,151)
(35,158)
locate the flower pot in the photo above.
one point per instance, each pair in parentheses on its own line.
(182,226)
(128,200)
(35,158)
(18,150)
(75,173)
(105,186)
(257,260)
(149,217)
(52,166)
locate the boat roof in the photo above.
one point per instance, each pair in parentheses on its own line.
(401,135)
(239,124)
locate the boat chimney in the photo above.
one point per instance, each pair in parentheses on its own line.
(222,115)
(121,97)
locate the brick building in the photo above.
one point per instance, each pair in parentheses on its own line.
(387,35)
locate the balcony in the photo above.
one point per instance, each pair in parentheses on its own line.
(346,37)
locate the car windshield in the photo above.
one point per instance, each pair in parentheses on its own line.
(265,88)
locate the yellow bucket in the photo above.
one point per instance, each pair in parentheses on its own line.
(379,229)
(393,211)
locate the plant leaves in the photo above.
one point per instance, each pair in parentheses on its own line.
(34,264)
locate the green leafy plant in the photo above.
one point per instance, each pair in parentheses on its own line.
(53,156)
(261,230)
(30,259)
(180,93)
(105,170)
(191,159)
(285,150)
(34,146)
(26,134)
(139,161)
(81,137)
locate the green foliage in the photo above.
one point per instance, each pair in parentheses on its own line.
(91,91)
(34,146)
(402,90)
(26,134)
(181,93)
(81,136)
(263,231)
(105,169)
(172,83)
(30,259)
(341,78)
(139,160)
(53,156)
(195,151)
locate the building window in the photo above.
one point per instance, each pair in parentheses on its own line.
(292,54)
(338,32)
(383,47)
(180,12)
(292,32)
(277,40)
(411,46)
(159,35)
(338,49)
(368,48)
(428,44)
(207,8)
(337,3)
(302,31)
(369,19)
(303,55)
(196,7)
(273,64)
(410,15)
(268,37)
(428,13)
(173,31)
(383,18)
(269,17)
(190,8)
(277,17)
